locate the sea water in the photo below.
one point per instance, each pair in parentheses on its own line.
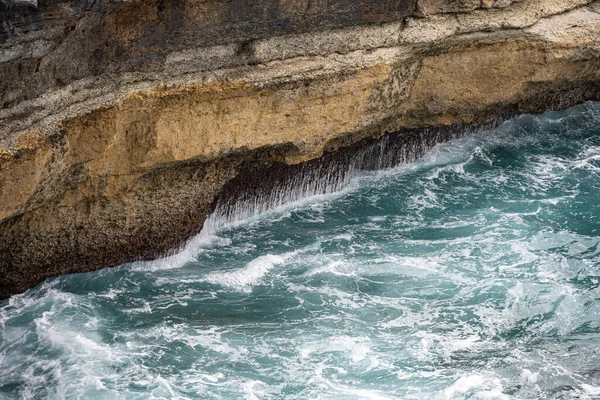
(471,273)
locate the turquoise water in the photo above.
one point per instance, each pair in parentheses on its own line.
(473,273)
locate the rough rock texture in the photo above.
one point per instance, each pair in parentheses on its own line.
(121,122)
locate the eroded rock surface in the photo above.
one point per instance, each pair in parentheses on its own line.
(121,122)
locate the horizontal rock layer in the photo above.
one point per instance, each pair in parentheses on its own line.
(121,122)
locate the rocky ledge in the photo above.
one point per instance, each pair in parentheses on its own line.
(121,122)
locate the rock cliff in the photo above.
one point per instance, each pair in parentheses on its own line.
(122,121)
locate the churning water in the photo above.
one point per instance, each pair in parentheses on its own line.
(471,273)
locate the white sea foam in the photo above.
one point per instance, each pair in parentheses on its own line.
(481,386)
(588,159)
(184,255)
(250,275)
(356,349)
(590,391)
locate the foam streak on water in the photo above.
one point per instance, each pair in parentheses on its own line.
(473,273)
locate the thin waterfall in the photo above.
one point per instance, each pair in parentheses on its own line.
(261,188)
(256,191)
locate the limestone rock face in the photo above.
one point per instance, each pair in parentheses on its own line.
(58,42)
(458,6)
(122,121)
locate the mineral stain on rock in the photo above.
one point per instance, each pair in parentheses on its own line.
(121,123)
